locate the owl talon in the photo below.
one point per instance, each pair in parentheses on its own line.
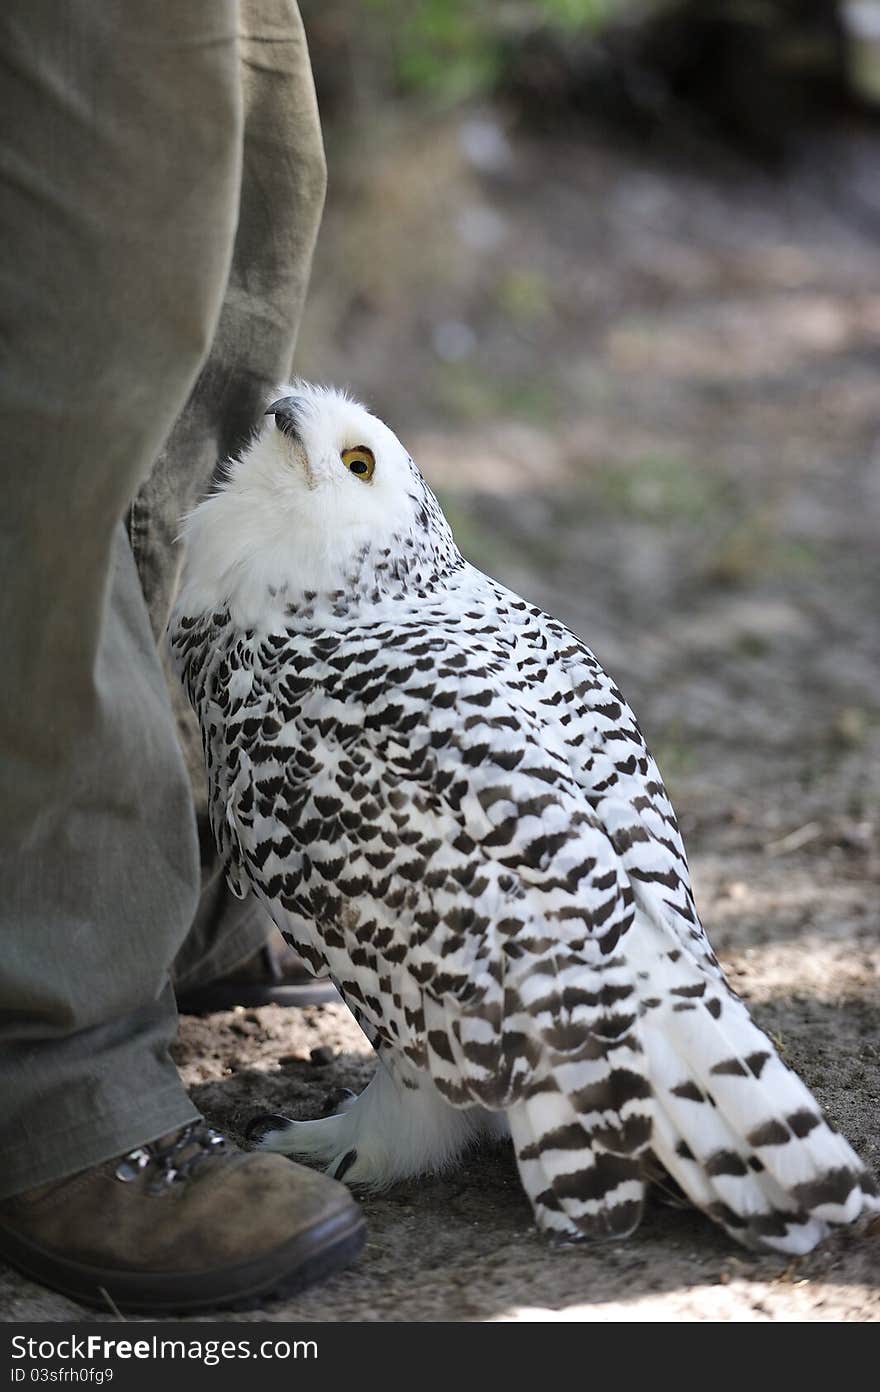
(344,1165)
(260,1125)
(337,1101)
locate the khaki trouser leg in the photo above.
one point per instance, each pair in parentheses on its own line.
(282,196)
(119,184)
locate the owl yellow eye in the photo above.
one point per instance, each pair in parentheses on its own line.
(360,461)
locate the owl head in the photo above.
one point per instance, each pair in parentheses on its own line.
(324,495)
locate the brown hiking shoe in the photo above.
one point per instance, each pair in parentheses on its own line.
(185,1223)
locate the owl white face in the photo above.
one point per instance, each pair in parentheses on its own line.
(342,465)
(322,479)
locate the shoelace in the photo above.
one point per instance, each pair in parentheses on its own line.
(168,1160)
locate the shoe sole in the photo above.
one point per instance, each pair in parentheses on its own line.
(311,1256)
(207,1000)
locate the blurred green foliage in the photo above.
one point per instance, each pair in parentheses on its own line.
(754,73)
(455,49)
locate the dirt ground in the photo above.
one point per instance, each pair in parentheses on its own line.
(647,394)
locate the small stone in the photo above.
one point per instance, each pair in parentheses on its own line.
(322,1055)
(242,1028)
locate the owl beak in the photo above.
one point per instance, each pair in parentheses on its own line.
(286,413)
(287,417)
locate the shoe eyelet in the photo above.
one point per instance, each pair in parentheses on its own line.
(162,1183)
(130,1165)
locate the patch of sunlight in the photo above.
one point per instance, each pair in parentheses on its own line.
(830,973)
(745,338)
(736,1301)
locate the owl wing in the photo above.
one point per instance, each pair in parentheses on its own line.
(615,770)
(404,808)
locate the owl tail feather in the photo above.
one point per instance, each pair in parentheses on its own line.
(697,1084)
(577,1188)
(737,1129)
(579,1129)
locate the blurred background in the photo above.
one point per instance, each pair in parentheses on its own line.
(611,268)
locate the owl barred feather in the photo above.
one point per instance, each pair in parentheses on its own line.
(446,805)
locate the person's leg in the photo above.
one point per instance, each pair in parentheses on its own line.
(119,187)
(282,197)
(119,184)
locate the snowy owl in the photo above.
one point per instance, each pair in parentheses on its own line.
(447,806)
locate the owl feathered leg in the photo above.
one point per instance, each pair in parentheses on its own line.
(398,1127)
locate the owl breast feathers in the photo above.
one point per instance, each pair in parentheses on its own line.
(447,806)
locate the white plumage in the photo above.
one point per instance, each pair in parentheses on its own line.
(446,804)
